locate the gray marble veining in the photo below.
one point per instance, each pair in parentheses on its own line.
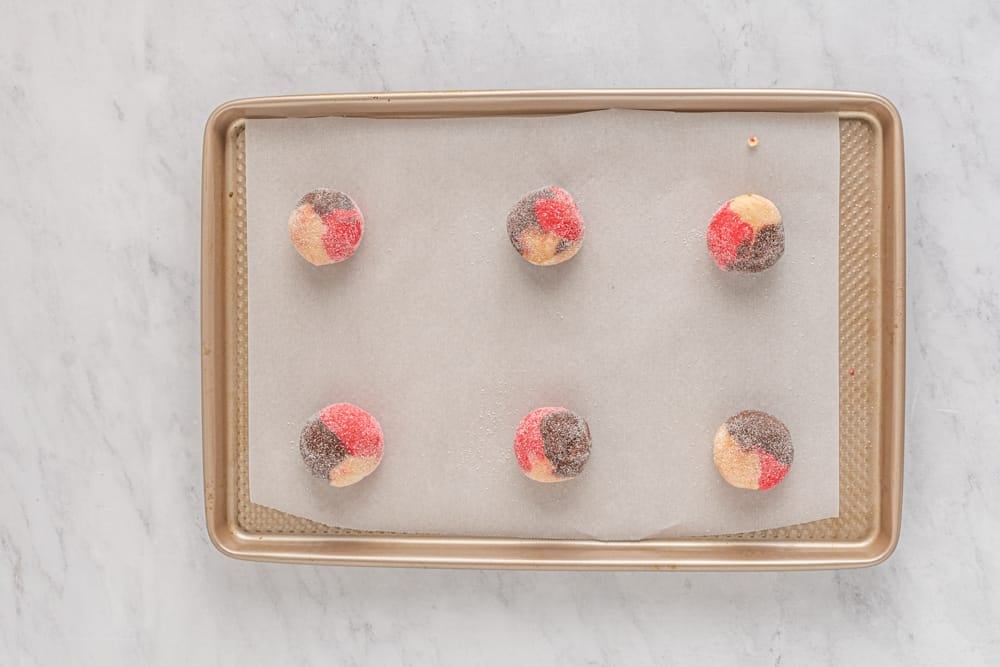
(103,553)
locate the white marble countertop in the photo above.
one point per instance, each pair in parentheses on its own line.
(104,557)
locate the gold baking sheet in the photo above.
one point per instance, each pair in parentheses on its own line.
(871,343)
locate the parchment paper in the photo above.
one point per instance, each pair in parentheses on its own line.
(438,328)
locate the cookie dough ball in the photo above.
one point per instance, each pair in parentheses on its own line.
(552,444)
(746,234)
(341,444)
(753,450)
(545,226)
(326,226)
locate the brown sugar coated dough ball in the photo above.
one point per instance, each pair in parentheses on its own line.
(341,444)
(746,234)
(552,444)
(753,450)
(545,226)
(326,226)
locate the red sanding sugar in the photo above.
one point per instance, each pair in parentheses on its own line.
(726,233)
(772,471)
(343,233)
(359,431)
(560,215)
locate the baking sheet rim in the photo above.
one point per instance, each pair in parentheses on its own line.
(429,551)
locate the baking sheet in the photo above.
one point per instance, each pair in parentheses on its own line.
(438,328)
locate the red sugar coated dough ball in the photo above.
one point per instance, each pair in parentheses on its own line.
(552,444)
(341,444)
(326,226)
(753,450)
(746,234)
(546,227)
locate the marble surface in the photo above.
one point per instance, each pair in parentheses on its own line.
(104,557)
